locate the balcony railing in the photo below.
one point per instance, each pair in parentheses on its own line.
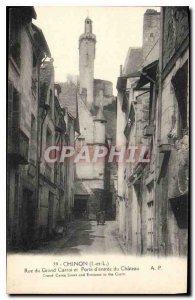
(18,146)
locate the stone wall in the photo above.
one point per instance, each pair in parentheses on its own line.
(86,68)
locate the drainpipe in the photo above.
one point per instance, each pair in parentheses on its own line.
(38,153)
(157,190)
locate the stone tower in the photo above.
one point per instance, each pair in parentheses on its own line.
(87,42)
(151,34)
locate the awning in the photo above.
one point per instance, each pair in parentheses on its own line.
(79,188)
(148,74)
(39,36)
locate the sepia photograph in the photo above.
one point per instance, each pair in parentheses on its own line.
(97,146)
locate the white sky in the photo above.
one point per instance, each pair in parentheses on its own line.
(116,29)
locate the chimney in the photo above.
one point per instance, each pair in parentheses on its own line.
(151,34)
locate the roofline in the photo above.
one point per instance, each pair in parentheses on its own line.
(34,14)
(43,40)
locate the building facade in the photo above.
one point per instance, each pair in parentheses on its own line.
(39,194)
(174,131)
(152,195)
(27,48)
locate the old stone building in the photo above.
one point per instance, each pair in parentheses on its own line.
(152,195)
(40,196)
(130,120)
(96,107)
(47,188)
(71,133)
(27,48)
(150,118)
(173,131)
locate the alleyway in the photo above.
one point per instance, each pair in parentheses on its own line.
(84,238)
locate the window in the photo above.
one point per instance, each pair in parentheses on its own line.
(13,110)
(18,142)
(48,138)
(48,168)
(150,220)
(15,36)
(80,143)
(151,38)
(33,139)
(16,109)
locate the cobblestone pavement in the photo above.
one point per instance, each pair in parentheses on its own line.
(85,237)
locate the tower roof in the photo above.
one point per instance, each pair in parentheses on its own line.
(88,30)
(88,19)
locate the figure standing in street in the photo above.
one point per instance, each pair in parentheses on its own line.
(102,217)
(98,215)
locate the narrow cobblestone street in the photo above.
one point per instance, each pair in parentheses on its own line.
(85,237)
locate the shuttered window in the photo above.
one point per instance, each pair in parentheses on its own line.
(15,37)
(13,111)
(150,221)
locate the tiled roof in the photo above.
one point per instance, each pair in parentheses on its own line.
(68,96)
(133,61)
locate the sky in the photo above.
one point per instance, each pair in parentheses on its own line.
(116,29)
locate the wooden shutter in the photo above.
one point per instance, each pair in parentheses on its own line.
(9,114)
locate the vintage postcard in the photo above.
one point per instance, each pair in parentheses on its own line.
(97,150)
